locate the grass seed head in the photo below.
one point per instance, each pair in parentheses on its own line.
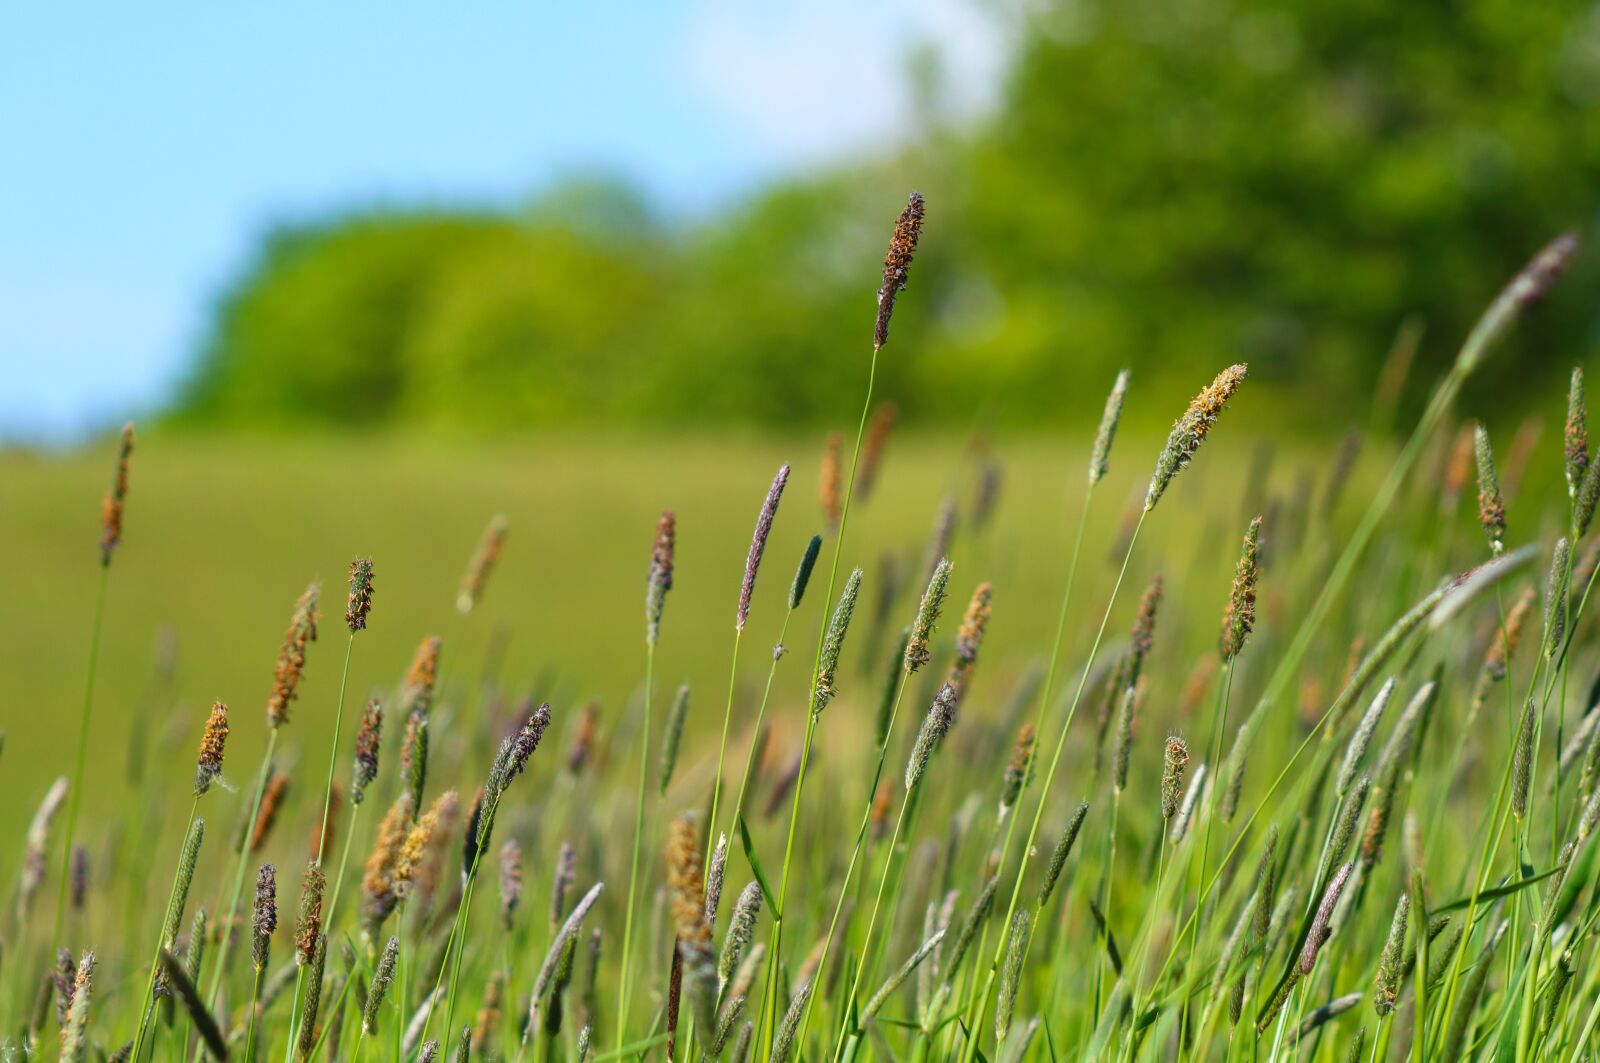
(75,1031)
(1576,435)
(510,882)
(672,735)
(830,480)
(1457,470)
(833,643)
(359,603)
(1491,503)
(1555,598)
(1017,768)
(1175,762)
(741,929)
(368,739)
(1522,761)
(382,979)
(659,580)
(802,573)
(482,564)
(969,639)
(272,799)
(872,450)
(935,725)
(758,544)
(1391,962)
(1142,638)
(1239,618)
(1530,285)
(111,508)
(1320,923)
(1127,709)
(1063,849)
(264,916)
(308,924)
(291,665)
(414,757)
(416,694)
(686,880)
(917,652)
(379,889)
(1100,455)
(897,265)
(1191,430)
(208,765)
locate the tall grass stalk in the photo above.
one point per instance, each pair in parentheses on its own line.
(769,1018)
(241,858)
(75,785)
(147,1001)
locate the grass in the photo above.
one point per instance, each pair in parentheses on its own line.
(877,957)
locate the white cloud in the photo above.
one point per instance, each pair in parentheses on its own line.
(814,81)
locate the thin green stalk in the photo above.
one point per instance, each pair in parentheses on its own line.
(626,986)
(155,961)
(294,1013)
(344,863)
(856,849)
(768,1027)
(1029,846)
(250,1030)
(722,748)
(333,751)
(75,787)
(872,922)
(238,873)
(755,737)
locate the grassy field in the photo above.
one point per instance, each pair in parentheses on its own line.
(1198,825)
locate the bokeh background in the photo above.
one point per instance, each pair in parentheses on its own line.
(367,276)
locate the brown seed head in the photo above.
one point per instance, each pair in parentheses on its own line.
(416,696)
(583,737)
(1017,767)
(969,639)
(378,887)
(308,926)
(292,658)
(208,765)
(872,451)
(111,509)
(271,802)
(882,802)
(1142,637)
(686,880)
(830,481)
(1457,470)
(482,563)
(897,264)
(418,865)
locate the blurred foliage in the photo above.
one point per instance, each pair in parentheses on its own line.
(1164,186)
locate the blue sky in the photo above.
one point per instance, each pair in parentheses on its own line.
(144,148)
